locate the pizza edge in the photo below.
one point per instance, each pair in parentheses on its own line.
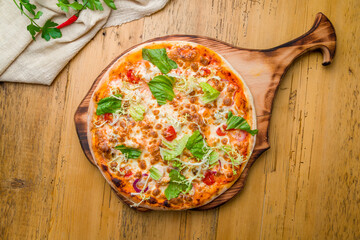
(91,110)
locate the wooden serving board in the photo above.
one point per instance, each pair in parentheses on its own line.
(262,71)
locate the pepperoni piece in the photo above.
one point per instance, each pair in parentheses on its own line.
(240,135)
(209,178)
(170,133)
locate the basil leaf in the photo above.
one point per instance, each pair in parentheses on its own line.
(173,190)
(235,122)
(178,184)
(130,153)
(109,104)
(210,93)
(196,145)
(155,173)
(175,148)
(137,112)
(161,88)
(159,58)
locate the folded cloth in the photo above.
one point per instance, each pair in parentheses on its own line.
(40,61)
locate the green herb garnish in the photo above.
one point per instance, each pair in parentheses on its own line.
(239,159)
(177,185)
(235,122)
(96,4)
(49,29)
(210,93)
(155,173)
(137,112)
(159,58)
(90,4)
(197,145)
(65,5)
(161,88)
(109,104)
(174,148)
(214,157)
(130,153)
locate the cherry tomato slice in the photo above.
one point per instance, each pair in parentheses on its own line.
(206,72)
(209,178)
(108,116)
(128,173)
(131,76)
(169,133)
(220,132)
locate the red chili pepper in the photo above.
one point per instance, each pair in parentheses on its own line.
(71,20)
(107,116)
(209,178)
(170,133)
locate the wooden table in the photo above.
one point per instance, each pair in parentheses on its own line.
(306,186)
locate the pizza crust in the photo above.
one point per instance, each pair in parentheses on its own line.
(91,111)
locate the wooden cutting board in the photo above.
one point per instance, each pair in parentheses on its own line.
(262,71)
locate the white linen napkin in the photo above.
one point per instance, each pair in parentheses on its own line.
(27,61)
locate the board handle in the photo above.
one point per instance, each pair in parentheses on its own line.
(320,37)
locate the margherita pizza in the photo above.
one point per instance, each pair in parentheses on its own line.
(171,125)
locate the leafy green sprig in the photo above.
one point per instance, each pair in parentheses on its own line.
(47,31)
(90,4)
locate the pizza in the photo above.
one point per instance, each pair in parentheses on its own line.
(171,125)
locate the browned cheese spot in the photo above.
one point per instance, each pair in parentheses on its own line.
(103,146)
(104,167)
(138,174)
(156,192)
(153,134)
(228,101)
(142,165)
(204,61)
(194,67)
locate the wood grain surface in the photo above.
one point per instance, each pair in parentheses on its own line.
(306,186)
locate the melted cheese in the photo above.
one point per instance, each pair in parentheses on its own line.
(182,113)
